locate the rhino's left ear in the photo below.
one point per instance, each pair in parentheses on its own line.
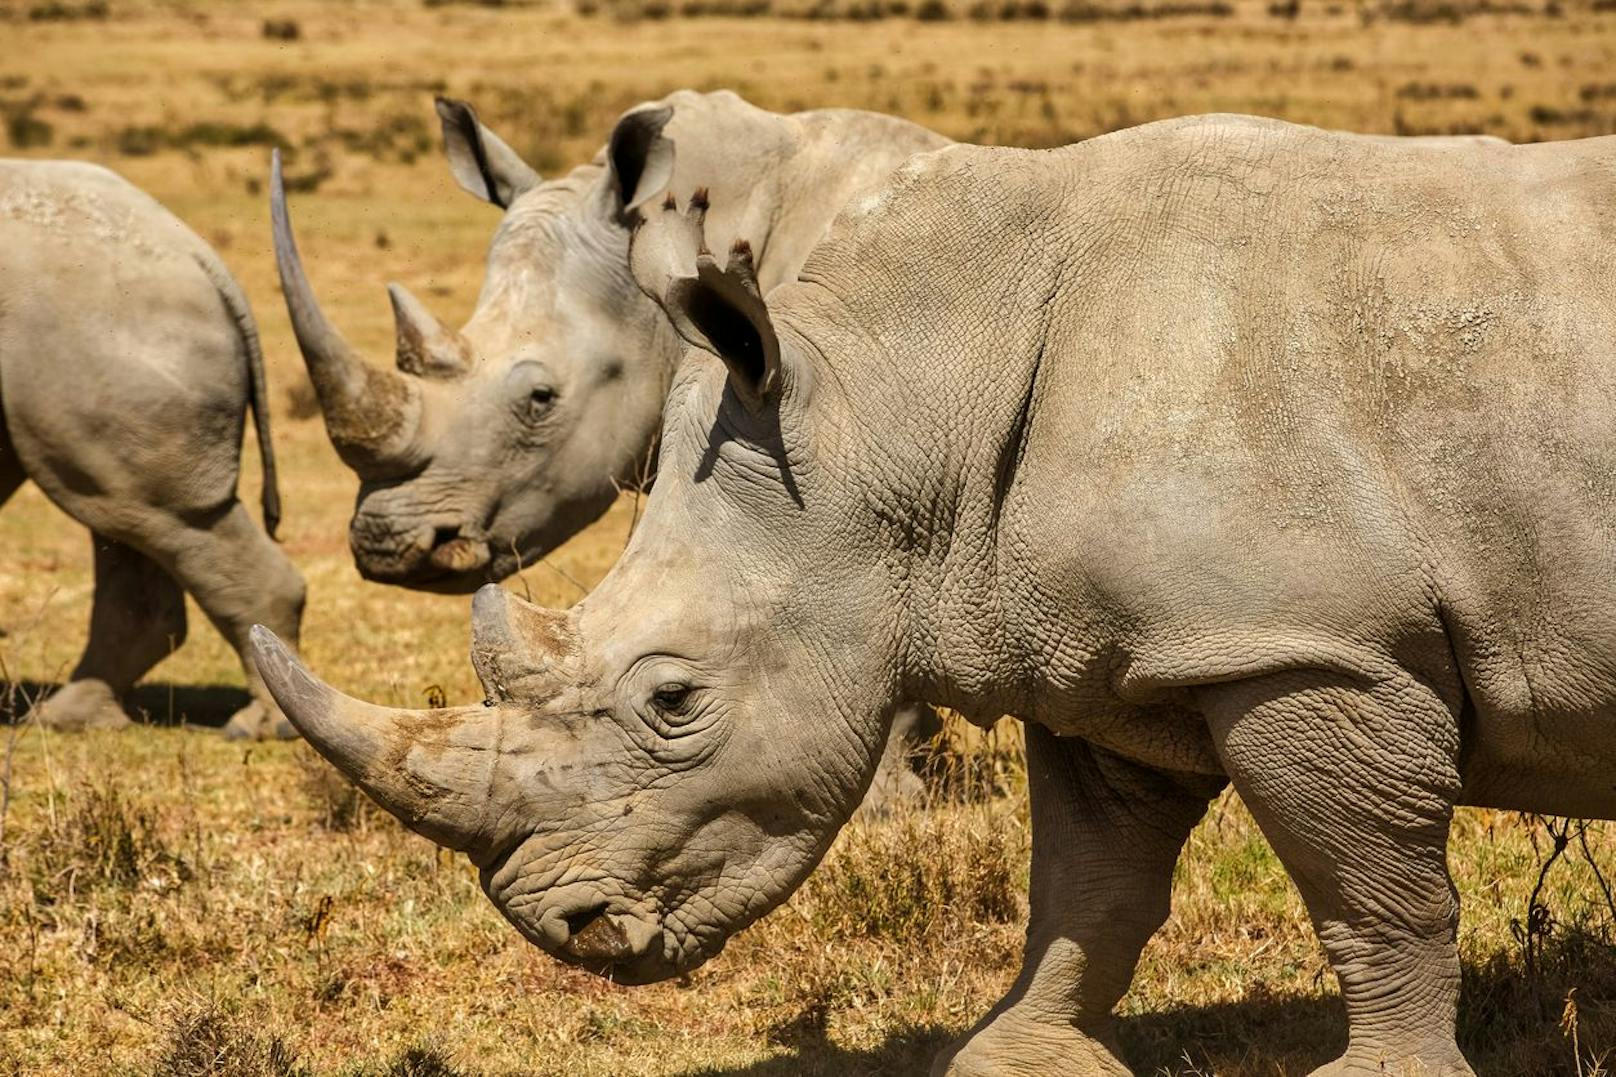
(480,159)
(719,310)
(641,156)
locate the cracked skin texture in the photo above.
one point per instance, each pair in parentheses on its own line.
(1294,465)
(1217,450)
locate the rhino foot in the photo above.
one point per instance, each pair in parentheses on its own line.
(1011,1045)
(81,705)
(255,721)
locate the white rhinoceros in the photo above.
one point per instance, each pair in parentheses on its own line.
(1216,450)
(128,357)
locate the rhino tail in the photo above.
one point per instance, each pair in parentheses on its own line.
(257,393)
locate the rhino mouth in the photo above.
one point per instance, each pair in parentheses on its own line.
(621,946)
(427,575)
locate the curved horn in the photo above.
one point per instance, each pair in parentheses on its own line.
(426,347)
(371,413)
(433,769)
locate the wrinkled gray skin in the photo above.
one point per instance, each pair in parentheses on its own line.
(128,358)
(491,446)
(1217,450)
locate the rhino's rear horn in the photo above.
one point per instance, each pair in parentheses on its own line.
(426,347)
(371,413)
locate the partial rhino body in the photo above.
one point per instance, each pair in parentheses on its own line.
(128,358)
(1216,450)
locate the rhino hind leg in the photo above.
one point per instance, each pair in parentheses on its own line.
(137,618)
(1354,787)
(1106,834)
(240,577)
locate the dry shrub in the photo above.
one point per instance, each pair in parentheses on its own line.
(338,804)
(931,869)
(923,874)
(55,11)
(205,1040)
(103,840)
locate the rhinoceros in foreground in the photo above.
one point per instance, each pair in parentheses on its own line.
(1216,450)
(128,357)
(491,446)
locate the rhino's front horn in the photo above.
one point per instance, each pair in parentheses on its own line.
(371,413)
(426,347)
(433,769)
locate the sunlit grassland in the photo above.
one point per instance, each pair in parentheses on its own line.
(169,901)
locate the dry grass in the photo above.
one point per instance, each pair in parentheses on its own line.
(171,903)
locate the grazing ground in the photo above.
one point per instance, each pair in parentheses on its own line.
(173,903)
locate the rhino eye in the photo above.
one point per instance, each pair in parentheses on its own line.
(671,697)
(539,401)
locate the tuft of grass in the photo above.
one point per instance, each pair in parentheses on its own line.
(338,804)
(928,874)
(103,840)
(27,131)
(57,11)
(205,1039)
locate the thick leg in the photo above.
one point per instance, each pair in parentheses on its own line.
(240,578)
(137,619)
(1106,834)
(895,777)
(1354,785)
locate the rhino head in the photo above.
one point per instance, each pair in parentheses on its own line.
(666,761)
(488,446)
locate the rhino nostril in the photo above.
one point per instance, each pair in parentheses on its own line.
(442,535)
(579,921)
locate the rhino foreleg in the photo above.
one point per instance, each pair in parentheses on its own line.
(1106,834)
(1354,785)
(137,619)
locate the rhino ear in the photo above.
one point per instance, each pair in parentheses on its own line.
(640,156)
(480,159)
(722,311)
(719,310)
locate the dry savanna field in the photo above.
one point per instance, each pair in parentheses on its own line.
(173,903)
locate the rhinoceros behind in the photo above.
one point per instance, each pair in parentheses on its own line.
(1216,449)
(128,357)
(490,446)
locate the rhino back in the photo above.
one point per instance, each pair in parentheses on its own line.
(1237,396)
(120,362)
